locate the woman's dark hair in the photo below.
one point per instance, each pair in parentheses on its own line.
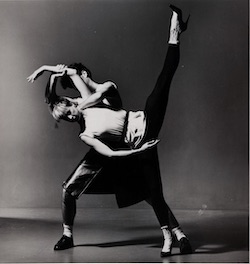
(66,81)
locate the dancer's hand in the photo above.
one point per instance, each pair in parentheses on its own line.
(60,68)
(33,76)
(149,144)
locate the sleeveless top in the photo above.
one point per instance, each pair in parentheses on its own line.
(114,125)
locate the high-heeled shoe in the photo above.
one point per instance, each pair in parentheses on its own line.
(185,246)
(182,25)
(167,246)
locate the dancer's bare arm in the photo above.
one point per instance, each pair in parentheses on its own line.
(54,69)
(97,96)
(107,151)
(63,69)
(50,92)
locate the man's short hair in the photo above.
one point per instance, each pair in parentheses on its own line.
(66,81)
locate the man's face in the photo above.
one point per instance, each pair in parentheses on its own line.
(84,76)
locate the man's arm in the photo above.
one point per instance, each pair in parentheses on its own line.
(107,151)
(98,96)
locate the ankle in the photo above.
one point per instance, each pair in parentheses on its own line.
(167,246)
(177,25)
(174,33)
(178,233)
(68,230)
(173,38)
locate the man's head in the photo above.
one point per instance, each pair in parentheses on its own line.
(66,110)
(81,70)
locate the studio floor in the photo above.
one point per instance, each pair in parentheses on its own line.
(121,235)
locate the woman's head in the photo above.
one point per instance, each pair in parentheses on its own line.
(66,81)
(66,110)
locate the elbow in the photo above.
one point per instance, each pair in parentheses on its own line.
(111,84)
(108,154)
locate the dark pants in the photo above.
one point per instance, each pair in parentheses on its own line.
(157,101)
(155,111)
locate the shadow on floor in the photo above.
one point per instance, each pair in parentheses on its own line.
(211,234)
(218,234)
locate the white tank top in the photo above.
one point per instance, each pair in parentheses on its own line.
(99,121)
(109,124)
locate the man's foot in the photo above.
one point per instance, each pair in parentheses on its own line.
(185,246)
(64,243)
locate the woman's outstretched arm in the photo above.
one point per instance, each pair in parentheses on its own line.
(107,151)
(60,68)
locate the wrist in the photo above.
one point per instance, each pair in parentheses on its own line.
(134,151)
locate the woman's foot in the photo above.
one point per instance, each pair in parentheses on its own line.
(167,246)
(177,26)
(184,244)
(182,25)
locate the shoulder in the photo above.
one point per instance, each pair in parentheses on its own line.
(106,86)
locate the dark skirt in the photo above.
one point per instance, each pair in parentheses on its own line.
(131,179)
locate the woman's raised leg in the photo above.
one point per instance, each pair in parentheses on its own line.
(155,111)
(157,101)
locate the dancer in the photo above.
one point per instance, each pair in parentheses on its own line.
(136,130)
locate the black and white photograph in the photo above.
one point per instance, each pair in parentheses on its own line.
(124,131)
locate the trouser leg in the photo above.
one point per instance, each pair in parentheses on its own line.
(157,101)
(164,214)
(151,170)
(68,208)
(76,184)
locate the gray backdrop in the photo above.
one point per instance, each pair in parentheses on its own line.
(204,140)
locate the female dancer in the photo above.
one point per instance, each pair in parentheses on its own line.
(137,130)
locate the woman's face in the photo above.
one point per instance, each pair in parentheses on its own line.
(72,113)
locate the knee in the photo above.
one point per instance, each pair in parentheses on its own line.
(66,196)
